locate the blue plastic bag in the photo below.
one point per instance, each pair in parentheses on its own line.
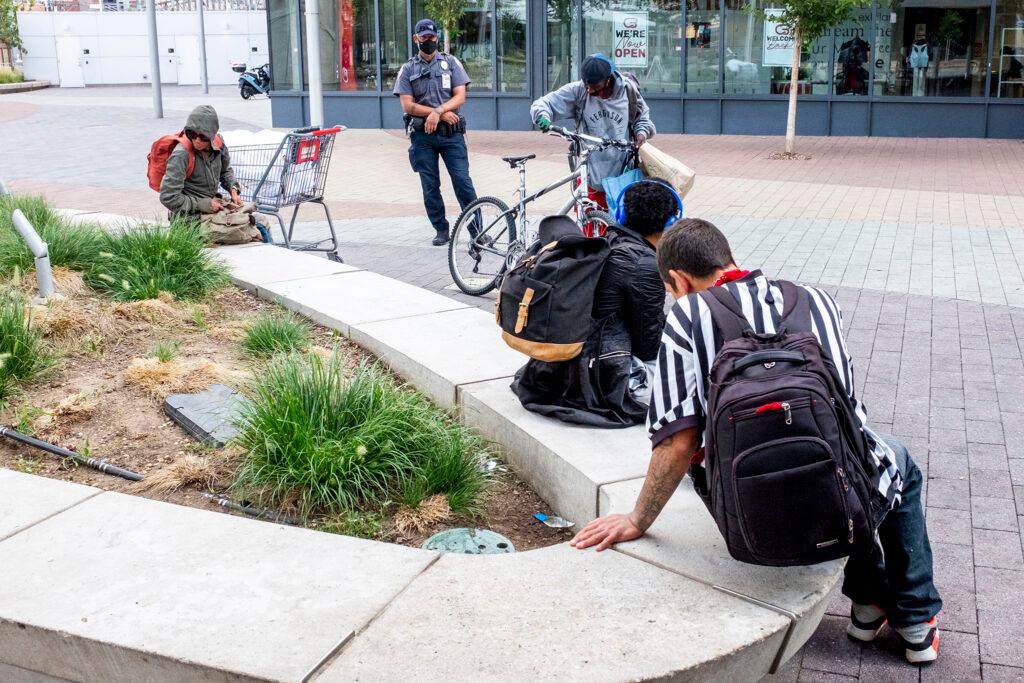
(614,186)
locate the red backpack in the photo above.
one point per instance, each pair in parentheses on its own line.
(160,152)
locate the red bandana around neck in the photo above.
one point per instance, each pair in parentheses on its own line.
(730,275)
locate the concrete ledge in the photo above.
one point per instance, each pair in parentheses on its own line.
(28,500)
(798,592)
(257,264)
(345,299)
(566,464)
(439,352)
(24,86)
(558,614)
(125,588)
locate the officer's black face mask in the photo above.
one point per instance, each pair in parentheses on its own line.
(428,47)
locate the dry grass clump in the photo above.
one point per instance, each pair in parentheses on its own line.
(431,511)
(177,375)
(159,310)
(65,320)
(75,408)
(190,470)
(229,331)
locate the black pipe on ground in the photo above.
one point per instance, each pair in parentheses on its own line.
(258,513)
(100,465)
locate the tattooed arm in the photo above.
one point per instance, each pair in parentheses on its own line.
(669,462)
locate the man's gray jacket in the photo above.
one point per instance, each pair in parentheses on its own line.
(191,195)
(600,118)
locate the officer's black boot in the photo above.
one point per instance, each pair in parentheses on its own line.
(441,238)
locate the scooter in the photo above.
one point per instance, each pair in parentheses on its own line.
(254,81)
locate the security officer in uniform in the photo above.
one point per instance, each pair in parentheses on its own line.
(432,86)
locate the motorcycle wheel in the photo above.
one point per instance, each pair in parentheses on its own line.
(247,91)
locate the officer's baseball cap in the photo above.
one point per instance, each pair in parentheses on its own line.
(426,27)
(595,69)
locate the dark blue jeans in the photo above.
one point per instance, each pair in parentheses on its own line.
(424,150)
(898,575)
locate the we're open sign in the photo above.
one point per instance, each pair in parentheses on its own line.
(629,39)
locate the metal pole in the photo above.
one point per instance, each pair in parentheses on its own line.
(44,275)
(202,49)
(316,93)
(154,61)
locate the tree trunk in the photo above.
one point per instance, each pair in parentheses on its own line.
(794,85)
(447,40)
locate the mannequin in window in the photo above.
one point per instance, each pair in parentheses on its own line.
(919,63)
(853,56)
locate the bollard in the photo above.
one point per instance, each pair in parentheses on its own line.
(44,275)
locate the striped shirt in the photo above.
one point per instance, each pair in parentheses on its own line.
(689,346)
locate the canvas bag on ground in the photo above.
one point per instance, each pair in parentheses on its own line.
(785,466)
(232,227)
(663,166)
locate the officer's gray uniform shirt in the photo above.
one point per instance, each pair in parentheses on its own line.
(431,83)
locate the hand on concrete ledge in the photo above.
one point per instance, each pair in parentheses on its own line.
(605,531)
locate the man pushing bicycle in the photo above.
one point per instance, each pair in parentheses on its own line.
(606,104)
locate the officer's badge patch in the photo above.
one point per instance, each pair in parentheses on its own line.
(444,65)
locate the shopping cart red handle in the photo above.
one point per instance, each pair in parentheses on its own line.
(328,131)
(313,130)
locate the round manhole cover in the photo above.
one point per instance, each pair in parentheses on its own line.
(469,542)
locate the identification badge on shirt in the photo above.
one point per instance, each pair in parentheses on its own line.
(446,81)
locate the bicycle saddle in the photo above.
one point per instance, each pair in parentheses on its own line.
(514,161)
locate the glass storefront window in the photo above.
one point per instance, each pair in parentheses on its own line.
(347,45)
(285,43)
(750,69)
(1008,51)
(511,45)
(396,44)
(703,32)
(563,42)
(935,51)
(853,55)
(472,43)
(641,36)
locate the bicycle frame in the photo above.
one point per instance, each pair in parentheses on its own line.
(577,199)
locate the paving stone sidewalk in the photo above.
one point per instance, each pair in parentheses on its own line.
(923,240)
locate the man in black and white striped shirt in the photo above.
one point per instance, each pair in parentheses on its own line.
(892,582)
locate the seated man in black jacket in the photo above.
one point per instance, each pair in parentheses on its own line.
(608,384)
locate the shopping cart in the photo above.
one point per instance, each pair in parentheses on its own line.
(288,174)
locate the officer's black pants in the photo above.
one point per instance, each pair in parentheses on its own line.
(424,150)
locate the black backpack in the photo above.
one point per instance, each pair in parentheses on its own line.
(785,463)
(545,303)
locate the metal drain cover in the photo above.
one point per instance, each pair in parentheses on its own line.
(469,542)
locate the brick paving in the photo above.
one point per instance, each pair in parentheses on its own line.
(921,240)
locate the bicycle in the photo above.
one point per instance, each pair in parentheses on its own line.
(479,256)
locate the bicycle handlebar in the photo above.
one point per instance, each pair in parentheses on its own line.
(588,139)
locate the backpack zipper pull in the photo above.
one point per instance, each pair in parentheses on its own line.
(789,413)
(849,539)
(842,475)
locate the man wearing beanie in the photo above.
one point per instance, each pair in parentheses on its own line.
(604,104)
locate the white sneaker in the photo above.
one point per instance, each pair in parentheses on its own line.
(865,622)
(921,641)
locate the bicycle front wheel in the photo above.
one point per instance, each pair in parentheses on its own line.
(596,224)
(480,241)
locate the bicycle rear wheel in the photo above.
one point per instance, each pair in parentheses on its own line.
(480,241)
